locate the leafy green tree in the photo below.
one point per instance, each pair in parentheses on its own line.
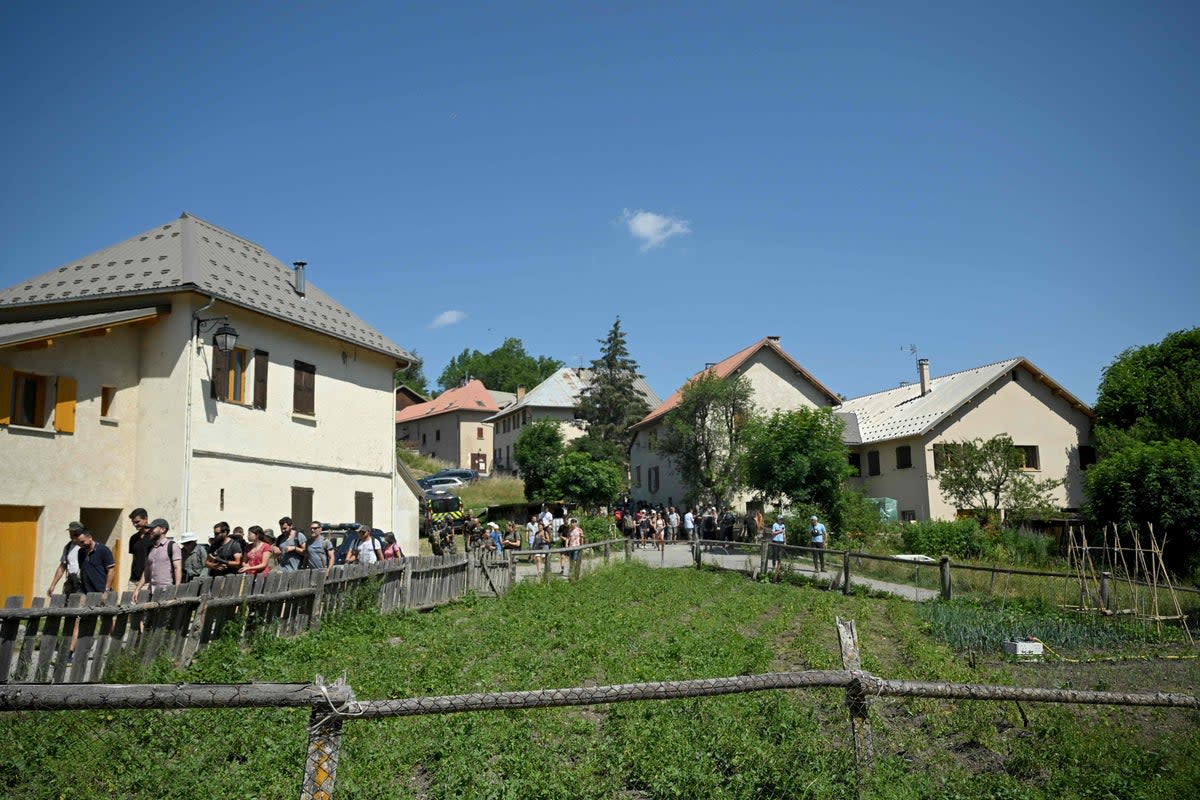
(989,475)
(538,451)
(702,436)
(582,480)
(503,369)
(798,455)
(413,376)
(1151,394)
(610,404)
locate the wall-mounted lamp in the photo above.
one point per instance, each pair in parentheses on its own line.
(225,338)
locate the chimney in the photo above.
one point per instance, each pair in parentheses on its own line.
(300,265)
(774,339)
(520,393)
(923,369)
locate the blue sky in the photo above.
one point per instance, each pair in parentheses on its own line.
(979,180)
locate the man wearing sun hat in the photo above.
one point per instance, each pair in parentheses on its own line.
(194,554)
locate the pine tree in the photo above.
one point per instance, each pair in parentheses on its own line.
(610,403)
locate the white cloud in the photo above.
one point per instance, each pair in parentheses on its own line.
(653,229)
(447,318)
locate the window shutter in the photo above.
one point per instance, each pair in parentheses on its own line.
(260,379)
(64,405)
(220,375)
(304,390)
(6,382)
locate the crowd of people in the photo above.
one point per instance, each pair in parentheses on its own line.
(542,532)
(157,561)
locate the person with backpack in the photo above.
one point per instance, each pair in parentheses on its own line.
(291,546)
(68,564)
(194,554)
(164,562)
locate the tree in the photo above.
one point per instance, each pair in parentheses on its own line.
(610,404)
(1156,483)
(538,450)
(504,369)
(1151,394)
(413,376)
(702,436)
(798,455)
(582,480)
(986,476)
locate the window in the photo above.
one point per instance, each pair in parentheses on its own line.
(872,462)
(423,441)
(107,393)
(229,375)
(304,389)
(904,457)
(28,400)
(944,454)
(479,433)
(637,476)
(1087,456)
(908,516)
(302,505)
(260,379)
(437,435)
(1030,453)
(652,480)
(856,465)
(363,508)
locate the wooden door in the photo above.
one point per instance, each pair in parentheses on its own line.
(18,551)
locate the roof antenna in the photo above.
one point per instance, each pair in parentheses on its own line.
(911,349)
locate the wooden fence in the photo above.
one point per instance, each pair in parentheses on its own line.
(73,640)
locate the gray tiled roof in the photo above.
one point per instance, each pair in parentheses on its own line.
(903,411)
(562,389)
(189,253)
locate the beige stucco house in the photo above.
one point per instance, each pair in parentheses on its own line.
(555,398)
(778,383)
(452,427)
(114,396)
(894,435)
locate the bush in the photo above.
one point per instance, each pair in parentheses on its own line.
(958,539)
(597,529)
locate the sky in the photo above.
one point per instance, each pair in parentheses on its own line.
(969,181)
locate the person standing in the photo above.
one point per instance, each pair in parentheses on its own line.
(68,564)
(164,562)
(366,549)
(97,568)
(778,540)
(817,537)
(139,545)
(689,525)
(393,547)
(319,552)
(291,546)
(225,556)
(574,538)
(257,560)
(194,554)
(531,529)
(673,524)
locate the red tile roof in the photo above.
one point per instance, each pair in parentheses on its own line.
(726,368)
(472,397)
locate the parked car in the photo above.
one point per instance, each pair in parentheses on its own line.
(439,482)
(465,475)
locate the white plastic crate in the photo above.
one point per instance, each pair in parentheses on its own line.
(1023,650)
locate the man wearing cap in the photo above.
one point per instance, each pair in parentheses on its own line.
(139,545)
(68,563)
(194,555)
(164,563)
(816,535)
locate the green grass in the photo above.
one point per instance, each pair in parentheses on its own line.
(497,490)
(623,624)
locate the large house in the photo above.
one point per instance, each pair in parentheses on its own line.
(555,398)
(188,371)
(896,437)
(453,426)
(777,382)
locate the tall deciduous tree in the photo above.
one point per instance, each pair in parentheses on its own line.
(538,451)
(702,436)
(798,455)
(988,475)
(583,480)
(413,376)
(503,369)
(610,404)
(1151,394)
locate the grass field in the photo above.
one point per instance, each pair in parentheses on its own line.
(627,623)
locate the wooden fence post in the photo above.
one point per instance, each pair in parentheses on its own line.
(1104,601)
(762,558)
(947,584)
(628,549)
(846,573)
(856,697)
(324,744)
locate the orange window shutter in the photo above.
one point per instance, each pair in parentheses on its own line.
(64,405)
(6,382)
